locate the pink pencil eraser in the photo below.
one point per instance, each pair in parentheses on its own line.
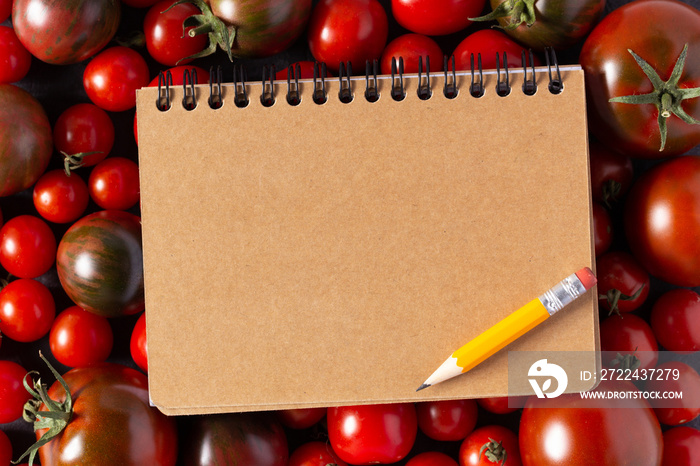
(587,278)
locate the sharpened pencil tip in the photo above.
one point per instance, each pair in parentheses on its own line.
(425,385)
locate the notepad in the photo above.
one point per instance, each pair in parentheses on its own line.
(333,254)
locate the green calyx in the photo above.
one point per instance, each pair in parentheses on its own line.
(55,419)
(494,452)
(207,23)
(519,11)
(614,296)
(667,96)
(626,362)
(74,161)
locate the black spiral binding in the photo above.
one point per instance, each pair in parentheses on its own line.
(371,94)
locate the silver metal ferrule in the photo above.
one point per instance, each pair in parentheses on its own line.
(561,294)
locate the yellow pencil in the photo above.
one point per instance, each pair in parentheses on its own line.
(512,327)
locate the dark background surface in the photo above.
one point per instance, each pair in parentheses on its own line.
(59,87)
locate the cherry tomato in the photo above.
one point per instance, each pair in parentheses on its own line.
(165,39)
(611,173)
(84,128)
(488,42)
(448,420)
(347,30)
(382,433)
(12,392)
(502,404)
(27,310)
(490,445)
(315,454)
(623,285)
(410,47)
(681,447)
(5,449)
(628,335)
(301,418)
(79,338)
(682,380)
(114,183)
(436,17)
(662,221)
(431,458)
(112,77)
(60,198)
(5,9)
(14,58)
(602,229)
(675,320)
(27,246)
(138,344)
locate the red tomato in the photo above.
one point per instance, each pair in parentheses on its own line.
(27,310)
(675,320)
(12,392)
(306,69)
(431,458)
(502,404)
(165,39)
(679,385)
(488,42)
(315,454)
(368,434)
(623,285)
(436,17)
(79,338)
(5,9)
(448,420)
(410,47)
(490,445)
(112,77)
(84,128)
(681,447)
(301,418)
(602,229)
(114,183)
(627,335)
(14,58)
(570,430)
(138,344)
(611,174)
(27,246)
(6,449)
(662,221)
(347,30)
(60,198)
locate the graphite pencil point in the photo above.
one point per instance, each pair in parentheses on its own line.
(425,385)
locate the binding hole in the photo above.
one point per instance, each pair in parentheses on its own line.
(398,92)
(556,85)
(529,85)
(267,95)
(424,90)
(345,93)
(215,99)
(240,90)
(165,81)
(189,79)
(319,96)
(293,95)
(476,89)
(450,89)
(371,92)
(502,87)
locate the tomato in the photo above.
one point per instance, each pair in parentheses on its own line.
(489,445)
(657,31)
(27,246)
(301,418)
(243,439)
(5,9)
(675,320)
(662,221)
(602,229)
(114,183)
(14,58)
(315,454)
(347,31)
(627,335)
(112,77)
(682,380)
(435,17)
(306,70)
(611,174)
(623,285)
(79,338)
(165,40)
(431,458)
(6,449)
(488,43)
(65,32)
(138,344)
(681,447)
(12,392)
(576,431)
(112,422)
(22,160)
(100,263)
(502,404)
(60,198)
(382,433)
(448,420)
(27,310)
(84,129)
(410,47)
